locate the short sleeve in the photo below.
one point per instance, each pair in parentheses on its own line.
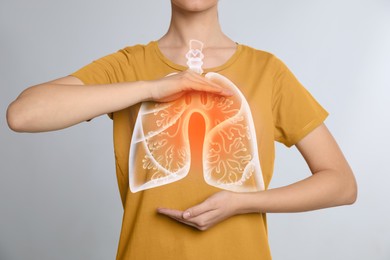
(295,111)
(112,68)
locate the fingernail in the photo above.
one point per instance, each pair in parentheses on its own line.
(186,215)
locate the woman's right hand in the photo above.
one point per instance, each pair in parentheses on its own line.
(176,85)
(65,101)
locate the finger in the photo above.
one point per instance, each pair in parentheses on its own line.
(173,213)
(197,82)
(217,88)
(176,215)
(222,83)
(208,85)
(188,223)
(198,210)
(204,220)
(201,222)
(204,81)
(208,88)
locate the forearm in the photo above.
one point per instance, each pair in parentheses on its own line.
(331,184)
(323,189)
(52,106)
(56,106)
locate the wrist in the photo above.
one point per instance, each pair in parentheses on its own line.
(143,89)
(249,202)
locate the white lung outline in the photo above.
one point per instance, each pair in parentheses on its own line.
(164,162)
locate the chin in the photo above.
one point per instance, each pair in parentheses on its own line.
(194,5)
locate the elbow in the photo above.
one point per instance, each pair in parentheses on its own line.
(27,113)
(350,190)
(15,119)
(353,194)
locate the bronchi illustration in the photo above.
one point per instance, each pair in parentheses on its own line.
(160,150)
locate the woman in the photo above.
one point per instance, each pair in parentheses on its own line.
(188,218)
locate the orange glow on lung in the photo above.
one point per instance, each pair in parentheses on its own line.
(196,132)
(209,133)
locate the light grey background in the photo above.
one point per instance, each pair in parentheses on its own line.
(58,192)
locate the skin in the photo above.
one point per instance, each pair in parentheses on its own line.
(65,102)
(331,184)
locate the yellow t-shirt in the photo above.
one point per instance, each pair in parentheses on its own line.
(282,110)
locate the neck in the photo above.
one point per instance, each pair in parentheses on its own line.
(203,26)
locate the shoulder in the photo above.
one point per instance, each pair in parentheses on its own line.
(257,53)
(261,57)
(126,55)
(138,49)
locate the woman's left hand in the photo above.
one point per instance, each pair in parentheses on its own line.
(210,212)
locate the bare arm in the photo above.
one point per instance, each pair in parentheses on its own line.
(65,102)
(332,183)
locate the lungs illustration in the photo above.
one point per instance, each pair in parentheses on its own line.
(160,150)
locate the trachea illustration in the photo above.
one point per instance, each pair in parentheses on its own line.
(195,56)
(160,148)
